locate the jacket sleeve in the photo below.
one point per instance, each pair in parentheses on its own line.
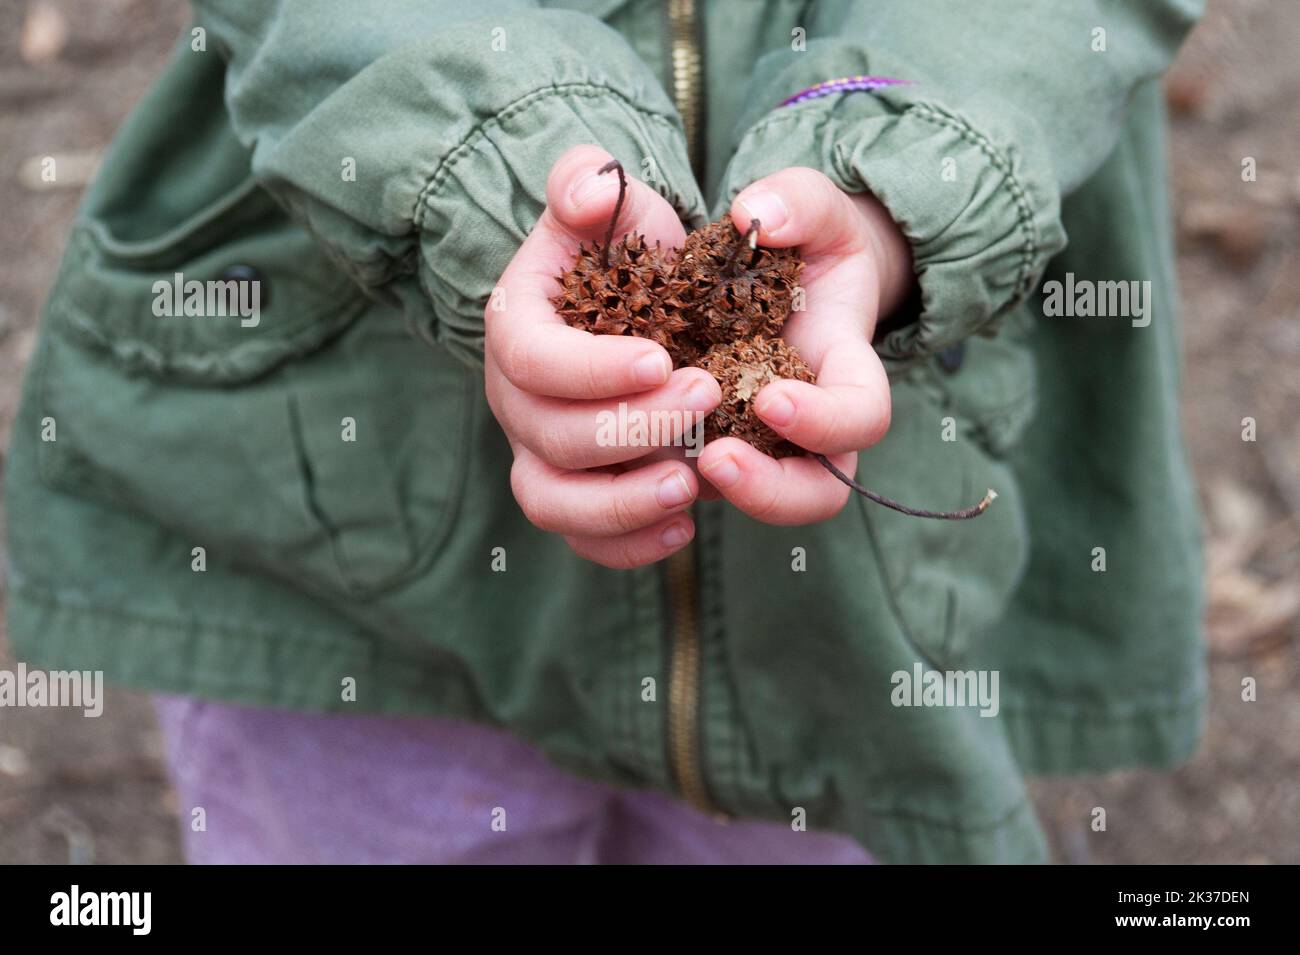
(413,137)
(1008,110)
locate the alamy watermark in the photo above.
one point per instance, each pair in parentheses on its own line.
(922,687)
(80,689)
(128,909)
(633,428)
(1084,298)
(215,298)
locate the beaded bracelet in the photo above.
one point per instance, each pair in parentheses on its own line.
(845,84)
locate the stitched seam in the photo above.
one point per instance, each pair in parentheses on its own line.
(936,116)
(361,644)
(466,145)
(1067,714)
(396,664)
(49,597)
(165,360)
(934,822)
(1024,212)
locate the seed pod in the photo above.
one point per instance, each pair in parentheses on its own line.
(720,304)
(743,369)
(731,290)
(624,293)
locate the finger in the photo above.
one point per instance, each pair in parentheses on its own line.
(794,490)
(581,199)
(688,454)
(531,344)
(543,358)
(590,434)
(847,410)
(600,504)
(800,206)
(638,548)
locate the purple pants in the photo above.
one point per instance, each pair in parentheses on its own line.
(282,787)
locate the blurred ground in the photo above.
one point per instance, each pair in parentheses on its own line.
(93,790)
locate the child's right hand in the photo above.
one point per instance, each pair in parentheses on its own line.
(547,383)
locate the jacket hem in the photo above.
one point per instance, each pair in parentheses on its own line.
(193,658)
(1060,740)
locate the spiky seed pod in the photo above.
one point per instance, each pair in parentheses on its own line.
(731,290)
(743,368)
(719,292)
(628,296)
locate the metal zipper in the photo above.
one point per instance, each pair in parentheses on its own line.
(688,69)
(685,659)
(685,653)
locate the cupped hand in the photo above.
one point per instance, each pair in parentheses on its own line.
(547,383)
(857,267)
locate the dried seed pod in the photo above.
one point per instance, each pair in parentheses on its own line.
(743,368)
(732,290)
(623,293)
(719,305)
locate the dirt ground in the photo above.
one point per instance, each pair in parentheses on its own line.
(73,789)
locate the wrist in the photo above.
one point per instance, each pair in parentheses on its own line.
(890,252)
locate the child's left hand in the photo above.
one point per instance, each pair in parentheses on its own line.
(858,267)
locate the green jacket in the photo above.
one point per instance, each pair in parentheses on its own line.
(378,165)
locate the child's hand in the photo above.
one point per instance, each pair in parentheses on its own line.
(858,266)
(547,383)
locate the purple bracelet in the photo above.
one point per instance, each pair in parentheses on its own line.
(845,84)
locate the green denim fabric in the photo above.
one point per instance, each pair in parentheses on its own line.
(399,560)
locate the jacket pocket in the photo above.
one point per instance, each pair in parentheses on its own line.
(950,580)
(224,296)
(175,242)
(310,437)
(337,472)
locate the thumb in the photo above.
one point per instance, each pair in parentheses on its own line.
(581,199)
(801,206)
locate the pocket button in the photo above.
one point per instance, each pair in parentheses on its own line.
(950,358)
(246,273)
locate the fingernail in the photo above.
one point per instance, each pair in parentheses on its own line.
(675,536)
(590,186)
(776,410)
(723,472)
(767,207)
(653,368)
(674,491)
(702,396)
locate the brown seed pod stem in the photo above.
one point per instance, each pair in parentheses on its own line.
(751,243)
(618,205)
(963,515)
